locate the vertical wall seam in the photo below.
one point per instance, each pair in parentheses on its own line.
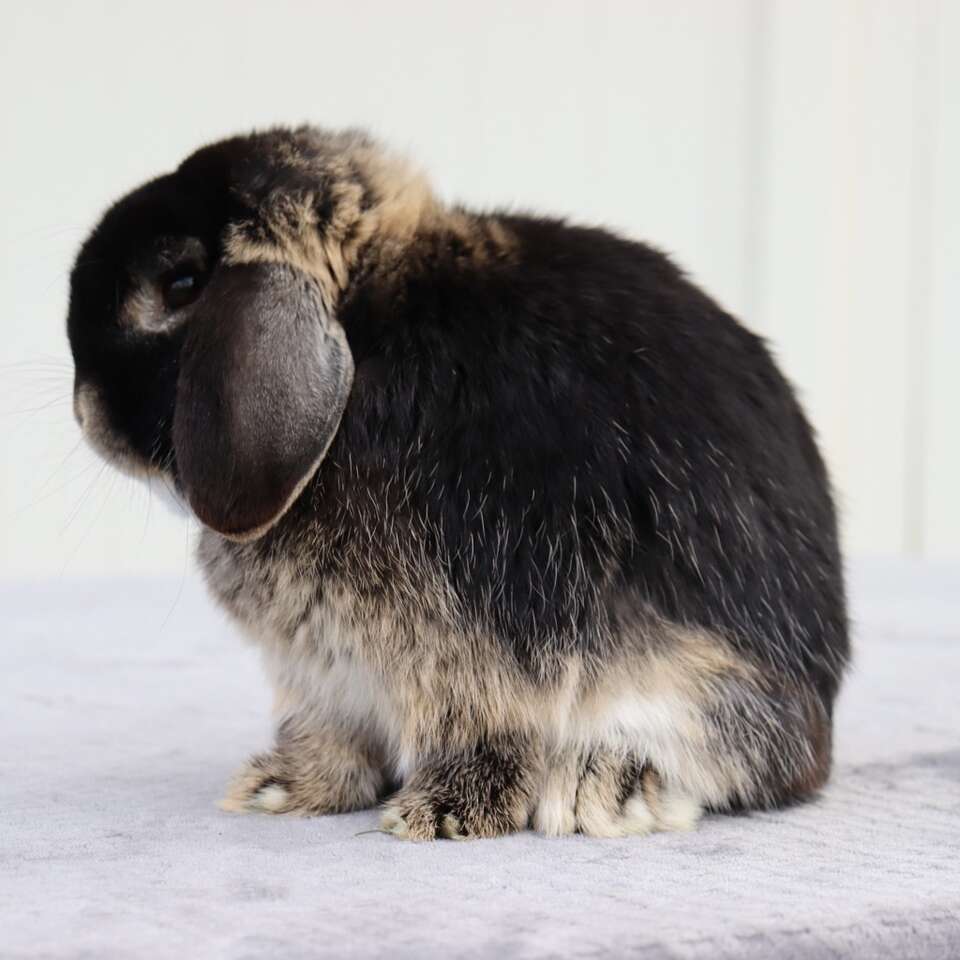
(757,156)
(919,301)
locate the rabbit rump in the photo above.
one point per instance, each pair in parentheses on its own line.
(528,529)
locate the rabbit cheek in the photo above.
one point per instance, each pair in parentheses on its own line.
(143,311)
(92,412)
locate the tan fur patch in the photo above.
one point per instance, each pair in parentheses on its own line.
(376,198)
(310,771)
(112,446)
(555,813)
(599,802)
(408,673)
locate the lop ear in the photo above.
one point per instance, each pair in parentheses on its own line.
(264,378)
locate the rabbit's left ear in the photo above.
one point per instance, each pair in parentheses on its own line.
(264,377)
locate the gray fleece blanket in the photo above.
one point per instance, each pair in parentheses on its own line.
(124,707)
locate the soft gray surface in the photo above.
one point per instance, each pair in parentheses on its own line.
(125,707)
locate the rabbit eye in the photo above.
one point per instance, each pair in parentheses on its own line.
(181,289)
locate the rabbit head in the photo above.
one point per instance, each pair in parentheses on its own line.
(202,315)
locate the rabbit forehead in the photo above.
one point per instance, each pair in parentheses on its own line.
(307,197)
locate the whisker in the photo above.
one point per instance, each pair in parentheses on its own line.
(108,490)
(146,522)
(30,411)
(49,231)
(183,575)
(55,490)
(83,497)
(50,364)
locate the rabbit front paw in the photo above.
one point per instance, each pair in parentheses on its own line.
(486,792)
(308,774)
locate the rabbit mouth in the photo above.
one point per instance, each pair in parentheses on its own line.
(88,410)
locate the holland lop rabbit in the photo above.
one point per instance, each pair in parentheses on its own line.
(529,530)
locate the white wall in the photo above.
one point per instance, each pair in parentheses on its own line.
(799,158)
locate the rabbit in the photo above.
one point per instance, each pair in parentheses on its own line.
(530,532)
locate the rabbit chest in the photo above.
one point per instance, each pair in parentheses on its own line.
(405,671)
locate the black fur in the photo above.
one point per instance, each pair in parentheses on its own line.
(580,380)
(561,421)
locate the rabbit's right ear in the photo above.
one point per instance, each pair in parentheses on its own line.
(264,377)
